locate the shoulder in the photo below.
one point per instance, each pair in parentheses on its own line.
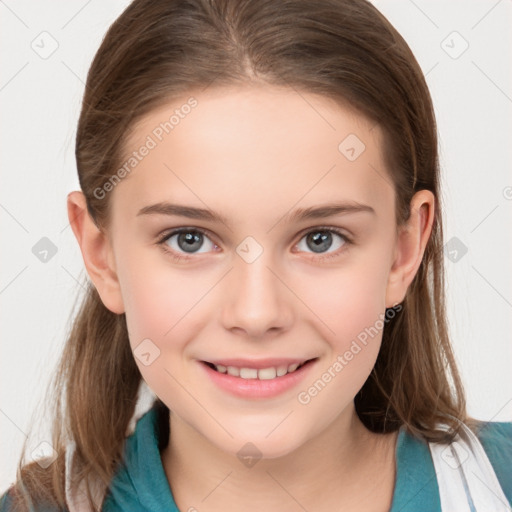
(496,439)
(417,482)
(7,504)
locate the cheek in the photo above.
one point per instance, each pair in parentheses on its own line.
(351,324)
(158,299)
(349,307)
(345,300)
(162,310)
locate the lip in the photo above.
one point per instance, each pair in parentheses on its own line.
(255,388)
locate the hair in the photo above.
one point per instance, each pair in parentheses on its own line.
(344,50)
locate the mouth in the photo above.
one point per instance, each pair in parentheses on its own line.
(262,379)
(264,371)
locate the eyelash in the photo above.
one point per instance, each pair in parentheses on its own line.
(324,229)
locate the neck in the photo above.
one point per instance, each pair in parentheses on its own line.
(339,466)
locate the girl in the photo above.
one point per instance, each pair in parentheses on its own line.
(260,218)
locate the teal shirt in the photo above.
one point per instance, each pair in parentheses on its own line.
(141,485)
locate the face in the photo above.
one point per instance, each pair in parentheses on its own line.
(258,283)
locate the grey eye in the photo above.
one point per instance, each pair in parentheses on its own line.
(321,240)
(188,241)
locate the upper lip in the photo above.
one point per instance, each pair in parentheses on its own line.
(258,363)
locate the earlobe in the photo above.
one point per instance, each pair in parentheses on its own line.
(96,252)
(411,242)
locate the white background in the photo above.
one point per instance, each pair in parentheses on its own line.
(40,101)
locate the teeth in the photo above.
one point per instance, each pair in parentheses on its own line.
(282,370)
(267,373)
(232,370)
(248,373)
(253,373)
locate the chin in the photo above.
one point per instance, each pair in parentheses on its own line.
(259,447)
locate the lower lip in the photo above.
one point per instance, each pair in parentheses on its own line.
(256,388)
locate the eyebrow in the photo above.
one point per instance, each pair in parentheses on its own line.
(300,214)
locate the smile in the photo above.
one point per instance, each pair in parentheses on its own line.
(257,379)
(257,373)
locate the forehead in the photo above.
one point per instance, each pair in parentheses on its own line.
(250,147)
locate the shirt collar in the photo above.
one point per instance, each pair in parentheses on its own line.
(416,482)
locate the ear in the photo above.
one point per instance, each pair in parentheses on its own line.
(410,246)
(96,251)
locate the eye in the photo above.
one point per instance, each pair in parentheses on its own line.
(321,239)
(187,240)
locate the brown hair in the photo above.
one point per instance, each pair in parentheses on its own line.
(341,49)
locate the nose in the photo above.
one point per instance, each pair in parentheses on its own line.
(256,299)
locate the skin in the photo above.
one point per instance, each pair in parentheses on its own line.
(254,154)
